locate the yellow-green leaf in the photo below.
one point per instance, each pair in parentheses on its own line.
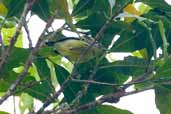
(141,53)
(3,10)
(130,8)
(8,33)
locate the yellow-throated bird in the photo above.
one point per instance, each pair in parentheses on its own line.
(73,48)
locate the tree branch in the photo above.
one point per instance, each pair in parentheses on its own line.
(102,100)
(140,79)
(94,82)
(28,35)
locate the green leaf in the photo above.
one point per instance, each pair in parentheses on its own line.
(156,15)
(163,99)
(8,23)
(15,7)
(86,98)
(106,76)
(37,89)
(6,80)
(83,6)
(164,39)
(3,9)
(2,112)
(164,70)
(113,29)
(44,88)
(106,109)
(130,41)
(71,90)
(61,6)
(89,23)
(40,89)
(52,73)
(161,4)
(42,69)
(41,8)
(17,58)
(8,33)
(129,66)
(102,7)
(117,73)
(141,54)
(26,102)
(136,37)
(63,11)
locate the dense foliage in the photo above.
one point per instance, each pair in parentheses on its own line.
(143,27)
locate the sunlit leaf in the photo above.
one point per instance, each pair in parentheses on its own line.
(2,112)
(141,53)
(26,102)
(8,33)
(161,4)
(130,8)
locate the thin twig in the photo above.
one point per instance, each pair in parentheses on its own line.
(140,79)
(94,82)
(28,35)
(1,41)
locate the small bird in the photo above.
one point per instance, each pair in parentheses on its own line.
(73,48)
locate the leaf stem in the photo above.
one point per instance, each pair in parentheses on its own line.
(164,39)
